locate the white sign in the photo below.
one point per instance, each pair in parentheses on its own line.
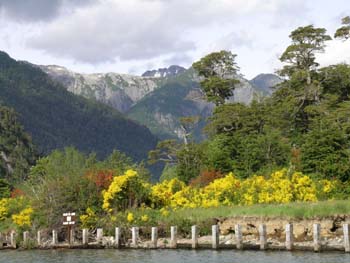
(68,214)
(68,219)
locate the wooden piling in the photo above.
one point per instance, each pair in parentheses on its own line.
(117,238)
(173,237)
(85,236)
(215,236)
(54,237)
(99,235)
(262,237)
(238,235)
(346,238)
(25,238)
(154,237)
(317,237)
(38,238)
(194,231)
(135,236)
(71,236)
(13,239)
(289,237)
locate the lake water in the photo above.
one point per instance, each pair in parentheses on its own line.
(167,256)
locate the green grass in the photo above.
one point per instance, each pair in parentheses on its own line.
(292,210)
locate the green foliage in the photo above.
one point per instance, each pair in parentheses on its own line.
(165,151)
(185,159)
(57,184)
(169,172)
(300,55)
(218,70)
(344,31)
(326,152)
(189,162)
(5,189)
(71,181)
(237,117)
(219,153)
(336,80)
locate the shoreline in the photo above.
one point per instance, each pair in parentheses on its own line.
(231,233)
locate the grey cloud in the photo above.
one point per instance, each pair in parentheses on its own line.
(181,59)
(98,46)
(237,39)
(291,13)
(110,32)
(130,30)
(138,29)
(37,10)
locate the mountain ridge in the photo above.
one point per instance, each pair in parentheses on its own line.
(170,71)
(127,92)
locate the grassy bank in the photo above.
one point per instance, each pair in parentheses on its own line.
(291,210)
(205,217)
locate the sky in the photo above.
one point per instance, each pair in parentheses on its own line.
(132,36)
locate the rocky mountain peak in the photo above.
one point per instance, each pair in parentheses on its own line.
(164,72)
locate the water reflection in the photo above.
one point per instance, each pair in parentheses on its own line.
(167,256)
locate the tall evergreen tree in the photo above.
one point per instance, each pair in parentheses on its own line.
(218,71)
(300,56)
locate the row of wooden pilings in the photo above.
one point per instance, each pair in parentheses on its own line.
(289,241)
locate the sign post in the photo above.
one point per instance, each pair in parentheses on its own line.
(69,221)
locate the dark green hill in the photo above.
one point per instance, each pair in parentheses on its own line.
(56,118)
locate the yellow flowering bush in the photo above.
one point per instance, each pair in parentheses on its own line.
(23,218)
(3,208)
(280,187)
(161,193)
(15,213)
(185,198)
(125,191)
(144,218)
(164,212)
(304,189)
(89,220)
(130,217)
(250,190)
(221,191)
(327,186)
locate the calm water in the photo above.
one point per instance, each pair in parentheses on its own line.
(167,256)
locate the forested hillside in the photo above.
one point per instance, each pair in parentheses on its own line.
(56,118)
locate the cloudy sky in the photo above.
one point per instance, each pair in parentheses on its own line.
(131,36)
